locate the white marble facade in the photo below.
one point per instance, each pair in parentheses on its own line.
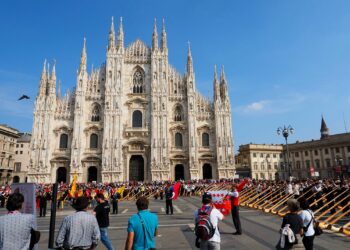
(134,118)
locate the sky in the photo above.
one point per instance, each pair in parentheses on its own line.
(286,62)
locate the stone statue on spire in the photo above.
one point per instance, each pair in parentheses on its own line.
(83,58)
(155,36)
(111,40)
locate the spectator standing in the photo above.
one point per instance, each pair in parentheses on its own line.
(114,199)
(292,221)
(102,215)
(307,217)
(79,230)
(207,209)
(16,228)
(169,195)
(42,204)
(142,227)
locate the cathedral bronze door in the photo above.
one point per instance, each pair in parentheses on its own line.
(92,174)
(61,175)
(179,172)
(136,168)
(207,173)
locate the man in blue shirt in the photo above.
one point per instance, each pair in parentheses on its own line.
(169,195)
(142,227)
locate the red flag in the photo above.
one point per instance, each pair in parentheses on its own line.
(176,187)
(221,201)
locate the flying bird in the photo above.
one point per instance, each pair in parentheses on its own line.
(23,97)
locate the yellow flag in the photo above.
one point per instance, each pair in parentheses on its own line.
(73,186)
(121,191)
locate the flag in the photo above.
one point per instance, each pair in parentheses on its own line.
(120,191)
(176,188)
(73,186)
(221,201)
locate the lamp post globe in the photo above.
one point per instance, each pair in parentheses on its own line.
(286,131)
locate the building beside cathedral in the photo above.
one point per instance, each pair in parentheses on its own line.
(134,118)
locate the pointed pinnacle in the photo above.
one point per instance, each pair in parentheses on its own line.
(44,67)
(84,46)
(163,26)
(121,25)
(222,74)
(189,49)
(112,25)
(155,26)
(54,67)
(215,73)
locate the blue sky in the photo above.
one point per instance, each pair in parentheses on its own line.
(287,62)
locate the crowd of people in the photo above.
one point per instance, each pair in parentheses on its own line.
(83,230)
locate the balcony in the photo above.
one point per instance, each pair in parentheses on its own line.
(92,151)
(62,152)
(136,132)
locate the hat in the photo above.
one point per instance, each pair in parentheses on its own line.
(80,203)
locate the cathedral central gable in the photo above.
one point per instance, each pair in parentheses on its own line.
(138,52)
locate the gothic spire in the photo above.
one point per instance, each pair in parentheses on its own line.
(120,43)
(59,89)
(223,84)
(48,71)
(53,72)
(163,42)
(155,36)
(43,80)
(324,129)
(222,75)
(51,85)
(216,85)
(111,36)
(82,67)
(43,72)
(189,60)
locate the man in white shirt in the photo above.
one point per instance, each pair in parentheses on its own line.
(289,188)
(215,215)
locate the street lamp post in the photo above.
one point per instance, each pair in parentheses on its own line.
(285,131)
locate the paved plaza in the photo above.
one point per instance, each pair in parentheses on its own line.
(260,230)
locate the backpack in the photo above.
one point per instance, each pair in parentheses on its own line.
(204,229)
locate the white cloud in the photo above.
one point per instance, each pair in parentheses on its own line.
(256,106)
(272,106)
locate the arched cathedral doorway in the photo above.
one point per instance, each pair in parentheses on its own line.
(136,168)
(61,175)
(207,171)
(179,172)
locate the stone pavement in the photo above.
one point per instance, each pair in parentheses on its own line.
(260,230)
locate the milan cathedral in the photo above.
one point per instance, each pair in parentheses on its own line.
(134,118)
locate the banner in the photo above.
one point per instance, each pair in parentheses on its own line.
(176,186)
(28,191)
(221,201)
(74,186)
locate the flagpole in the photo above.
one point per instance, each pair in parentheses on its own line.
(53,215)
